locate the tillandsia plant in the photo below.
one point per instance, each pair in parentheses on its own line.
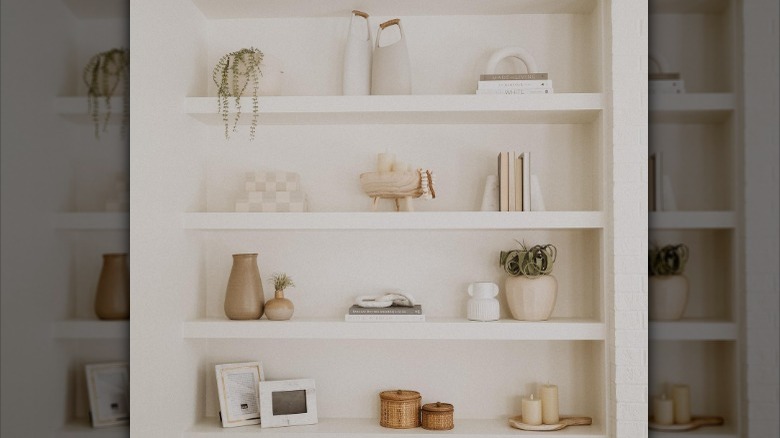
(667,260)
(529,262)
(233,73)
(282,281)
(102,75)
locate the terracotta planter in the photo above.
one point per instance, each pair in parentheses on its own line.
(667,297)
(244,295)
(112,298)
(531,299)
(279,308)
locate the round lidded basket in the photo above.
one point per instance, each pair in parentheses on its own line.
(438,416)
(400,409)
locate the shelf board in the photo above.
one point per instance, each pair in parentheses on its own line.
(691,107)
(83,428)
(119,9)
(692,220)
(359,427)
(90,329)
(693,330)
(567,108)
(477,220)
(725,431)
(687,6)
(91,221)
(222,9)
(74,109)
(433,328)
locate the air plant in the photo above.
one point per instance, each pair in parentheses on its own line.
(667,260)
(281,281)
(529,262)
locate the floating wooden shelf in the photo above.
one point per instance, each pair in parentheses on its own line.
(90,329)
(692,220)
(92,221)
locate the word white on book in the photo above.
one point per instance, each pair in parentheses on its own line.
(516,91)
(488,85)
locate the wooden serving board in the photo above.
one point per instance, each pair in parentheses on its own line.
(565,420)
(696,422)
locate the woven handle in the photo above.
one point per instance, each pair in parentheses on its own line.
(360,13)
(389,23)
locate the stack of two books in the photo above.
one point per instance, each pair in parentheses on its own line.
(521,83)
(385,314)
(514,181)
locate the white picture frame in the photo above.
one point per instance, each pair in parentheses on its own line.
(237,387)
(288,403)
(108,389)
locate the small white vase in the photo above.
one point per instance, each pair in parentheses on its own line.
(667,297)
(483,306)
(356,77)
(531,299)
(390,69)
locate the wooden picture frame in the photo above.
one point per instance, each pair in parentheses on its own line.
(108,387)
(288,403)
(237,386)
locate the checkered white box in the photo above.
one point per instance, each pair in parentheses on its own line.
(272,181)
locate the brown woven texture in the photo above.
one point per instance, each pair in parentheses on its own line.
(438,416)
(400,409)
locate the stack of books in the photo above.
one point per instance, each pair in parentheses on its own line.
(514,181)
(665,83)
(385,314)
(519,83)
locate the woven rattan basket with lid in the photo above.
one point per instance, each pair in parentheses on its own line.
(400,409)
(438,416)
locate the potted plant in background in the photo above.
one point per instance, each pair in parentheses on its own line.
(280,308)
(530,288)
(667,286)
(102,75)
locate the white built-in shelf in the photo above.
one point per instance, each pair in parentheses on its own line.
(92,9)
(691,107)
(90,329)
(687,6)
(83,428)
(352,427)
(692,220)
(75,109)
(693,330)
(433,328)
(92,221)
(216,9)
(477,220)
(419,109)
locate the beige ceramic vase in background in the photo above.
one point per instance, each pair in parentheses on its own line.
(244,295)
(112,298)
(279,308)
(531,299)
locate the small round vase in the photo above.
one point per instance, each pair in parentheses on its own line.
(112,298)
(667,297)
(531,299)
(244,295)
(279,308)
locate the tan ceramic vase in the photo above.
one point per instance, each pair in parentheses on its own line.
(667,297)
(112,298)
(244,295)
(531,299)
(279,308)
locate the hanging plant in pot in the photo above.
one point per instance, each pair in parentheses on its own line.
(530,288)
(103,74)
(667,286)
(280,308)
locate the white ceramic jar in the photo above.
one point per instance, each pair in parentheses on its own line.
(483,305)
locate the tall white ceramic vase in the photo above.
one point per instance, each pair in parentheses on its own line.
(390,71)
(356,77)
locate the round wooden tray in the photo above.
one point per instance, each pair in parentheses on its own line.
(696,422)
(564,421)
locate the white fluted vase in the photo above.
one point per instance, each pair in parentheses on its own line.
(391,72)
(356,77)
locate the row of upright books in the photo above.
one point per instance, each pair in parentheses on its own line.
(385,314)
(517,83)
(514,181)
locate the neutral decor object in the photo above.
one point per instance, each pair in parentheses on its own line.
(394,298)
(667,286)
(103,75)
(356,78)
(108,387)
(549,396)
(681,395)
(565,421)
(695,423)
(437,416)
(112,297)
(277,191)
(400,409)
(401,187)
(288,403)
(663,410)
(391,72)
(490,194)
(280,308)
(237,387)
(660,80)
(532,410)
(530,289)
(483,305)
(244,297)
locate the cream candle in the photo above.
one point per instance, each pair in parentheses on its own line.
(663,410)
(550,404)
(532,411)
(385,162)
(681,395)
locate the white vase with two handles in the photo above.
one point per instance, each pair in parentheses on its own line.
(390,71)
(356,77)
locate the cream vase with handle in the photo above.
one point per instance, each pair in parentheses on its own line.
(390,70)
(483,306)
(356,78)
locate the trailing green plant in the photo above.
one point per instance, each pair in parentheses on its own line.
(667,260)
(102,75)
(233,73)
(529,262)
(281,281)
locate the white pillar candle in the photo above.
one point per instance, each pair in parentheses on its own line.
(532,411)
(681,395)
(550,404)
(663,410)
(400,166)
(384,162)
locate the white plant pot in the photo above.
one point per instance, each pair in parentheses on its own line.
(531,299)
(667,297)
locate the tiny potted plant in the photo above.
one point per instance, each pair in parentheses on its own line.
(530,288)
(102,75)
(280,308)
(667,286)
